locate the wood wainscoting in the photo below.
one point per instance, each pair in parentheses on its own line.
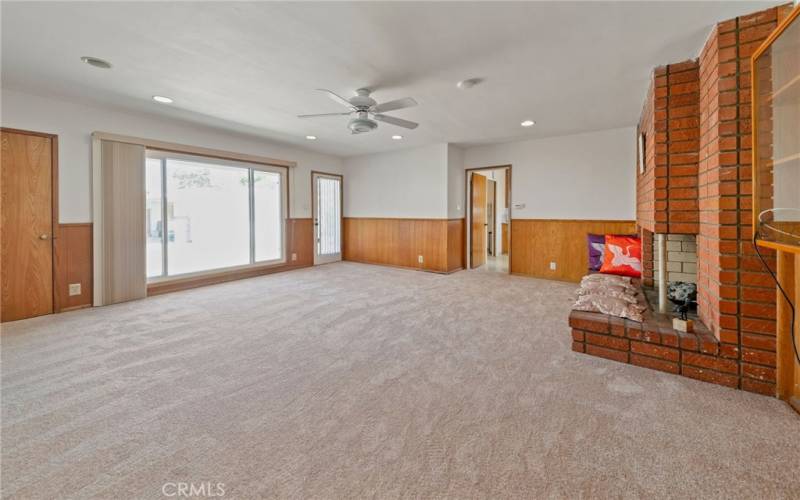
(299,242)
(73,266)
(400,242)
(535,243)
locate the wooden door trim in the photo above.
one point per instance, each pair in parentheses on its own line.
(54,229)
(341,214)
(468,212)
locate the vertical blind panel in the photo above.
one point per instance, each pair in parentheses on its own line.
(123,222)
(330,213)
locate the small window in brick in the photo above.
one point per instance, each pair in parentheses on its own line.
(641,153)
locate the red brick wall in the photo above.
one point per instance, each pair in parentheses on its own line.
(683,118)
(736,296)
(645,182)
(698,181)
(666,194)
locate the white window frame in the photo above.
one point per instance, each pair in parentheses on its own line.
(164,155)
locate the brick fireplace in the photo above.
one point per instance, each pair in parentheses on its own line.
(695,191)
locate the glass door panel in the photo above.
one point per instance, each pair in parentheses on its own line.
(327,218)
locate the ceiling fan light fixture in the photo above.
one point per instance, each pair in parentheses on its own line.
(528,123)
(163,99)
(96,62)
(468,83)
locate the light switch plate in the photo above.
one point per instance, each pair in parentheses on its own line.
(294,256)
(74,289)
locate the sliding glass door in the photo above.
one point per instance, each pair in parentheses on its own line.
(205,214)
(327,200)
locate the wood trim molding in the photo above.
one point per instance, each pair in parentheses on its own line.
(195,150)
(468,208)
(211,278)
(341,211)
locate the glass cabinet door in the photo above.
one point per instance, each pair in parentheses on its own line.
(776,127)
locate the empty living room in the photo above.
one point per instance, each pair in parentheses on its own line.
(357,249)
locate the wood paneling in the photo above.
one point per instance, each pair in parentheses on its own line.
(400,242)
(788,378)
(73,265)
(455,244)
(28,201)
(299,241)
(504,237)
(537,242)
(478,220)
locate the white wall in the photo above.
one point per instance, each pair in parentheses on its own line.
(412,183)
(456,184)
(582,176)
(74,123)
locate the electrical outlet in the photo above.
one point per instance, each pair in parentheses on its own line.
(74,289)
(420,259)
(294,256)
(552,266)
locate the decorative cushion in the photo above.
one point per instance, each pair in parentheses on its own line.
(623,256)
(597,246)
(609,305)
(617,291)
(607,278)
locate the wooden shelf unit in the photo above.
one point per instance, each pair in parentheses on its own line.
(776,143)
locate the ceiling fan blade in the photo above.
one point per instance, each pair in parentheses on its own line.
(405,102)
(322,114)
(336,97)
(396,121)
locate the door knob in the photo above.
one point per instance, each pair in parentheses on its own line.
(43,236)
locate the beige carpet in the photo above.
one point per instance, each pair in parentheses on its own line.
(354,381)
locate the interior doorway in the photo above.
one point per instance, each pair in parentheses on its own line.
(30,217)
(326,199)
(488,211)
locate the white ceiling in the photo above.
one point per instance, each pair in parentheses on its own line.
(251,67)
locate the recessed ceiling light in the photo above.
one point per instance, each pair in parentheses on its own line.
(528,123)
(397,137)
(162,99)
(96,62)
(311,137)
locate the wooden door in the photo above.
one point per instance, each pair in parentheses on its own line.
(491,217)
(26,199)
(478,218)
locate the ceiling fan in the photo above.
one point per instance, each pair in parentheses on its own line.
(367,111)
